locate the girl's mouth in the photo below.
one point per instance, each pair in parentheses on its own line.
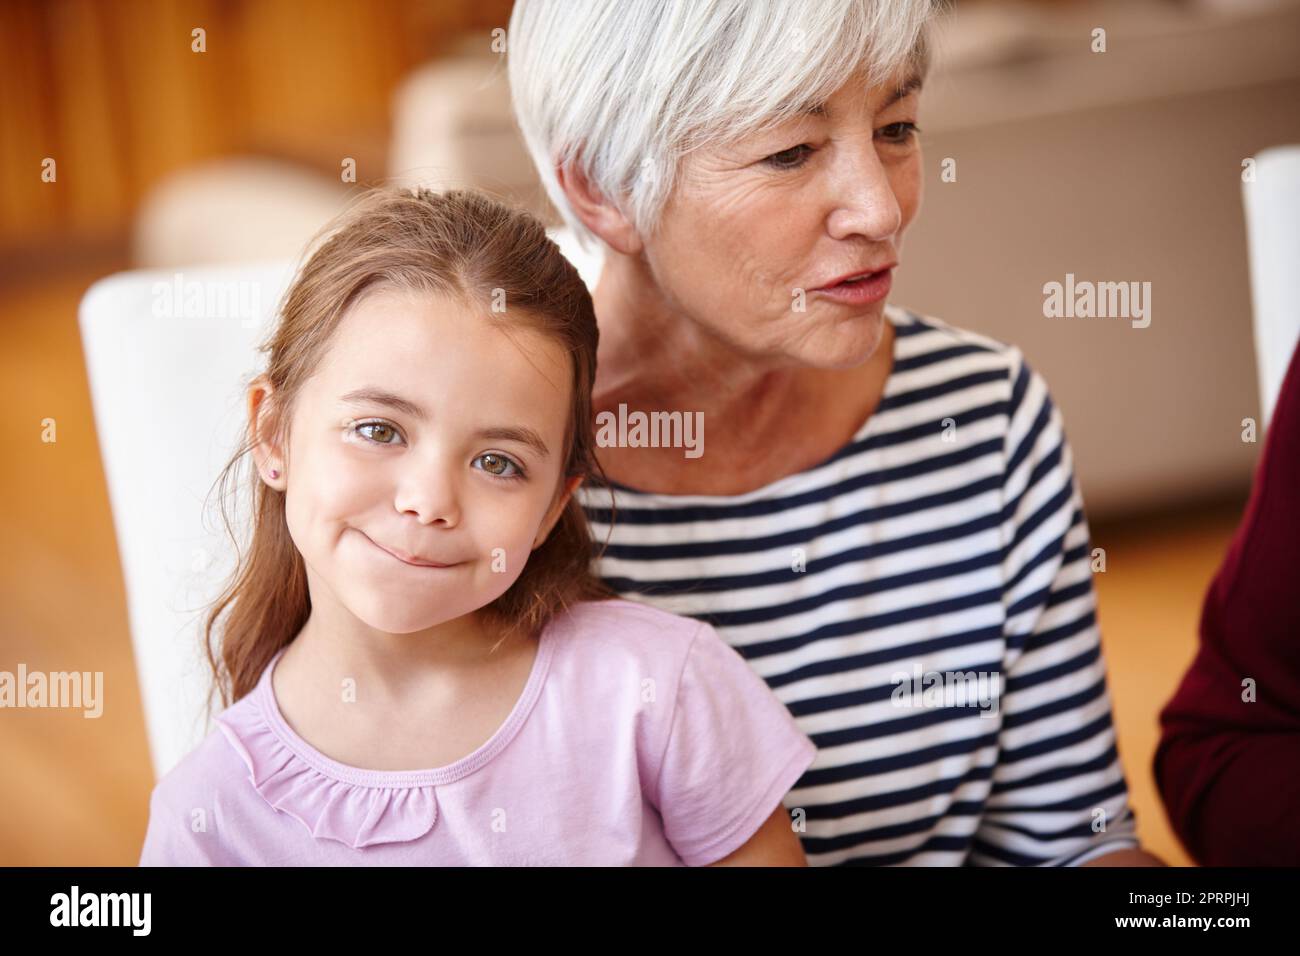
(408,559)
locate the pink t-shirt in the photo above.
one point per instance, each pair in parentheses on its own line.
(641,738)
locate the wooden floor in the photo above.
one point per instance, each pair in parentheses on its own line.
(74,791)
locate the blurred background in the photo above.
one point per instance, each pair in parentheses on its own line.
(175,148)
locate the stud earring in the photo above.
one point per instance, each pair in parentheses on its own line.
(274,473)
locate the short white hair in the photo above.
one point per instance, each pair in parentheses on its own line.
(624,89)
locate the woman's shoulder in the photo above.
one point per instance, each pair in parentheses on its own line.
(920,334)
(930,354)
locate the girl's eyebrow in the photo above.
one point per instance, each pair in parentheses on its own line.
(381,396)
(522,434)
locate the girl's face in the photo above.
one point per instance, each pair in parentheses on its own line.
(426,437)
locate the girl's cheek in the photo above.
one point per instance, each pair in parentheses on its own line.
(348,473)
(325,489)
(506,533)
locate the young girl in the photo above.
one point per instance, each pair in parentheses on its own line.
(422,667)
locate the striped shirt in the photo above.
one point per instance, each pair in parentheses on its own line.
(922,602)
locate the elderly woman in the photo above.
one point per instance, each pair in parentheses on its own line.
(880,512)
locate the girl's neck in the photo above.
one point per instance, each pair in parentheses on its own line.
(422,700)
(334,645)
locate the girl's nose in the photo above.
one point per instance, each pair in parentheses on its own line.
(430,496)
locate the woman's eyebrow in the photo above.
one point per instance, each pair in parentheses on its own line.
(372,395)
(909,85)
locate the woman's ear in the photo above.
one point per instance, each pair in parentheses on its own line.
(596,212)
(261,421)
(557,508)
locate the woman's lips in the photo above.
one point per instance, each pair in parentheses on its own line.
(873,288)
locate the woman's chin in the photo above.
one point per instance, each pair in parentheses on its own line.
(845,343)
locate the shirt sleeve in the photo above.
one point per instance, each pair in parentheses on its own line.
(1058,794)
(180,836)
(733,753)
(1230,745)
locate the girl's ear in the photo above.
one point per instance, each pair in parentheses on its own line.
(557,509)
(261,421)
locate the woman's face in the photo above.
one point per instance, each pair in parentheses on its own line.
(429,434)
(820,197)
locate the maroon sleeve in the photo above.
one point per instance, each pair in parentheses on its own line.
(1228,768)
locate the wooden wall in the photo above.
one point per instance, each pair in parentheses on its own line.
(114,93)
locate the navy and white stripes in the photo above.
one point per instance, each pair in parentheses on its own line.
(947,539)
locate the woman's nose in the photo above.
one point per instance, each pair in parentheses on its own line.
(864,201)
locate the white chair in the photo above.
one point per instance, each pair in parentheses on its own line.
(1272,204)
(168,354)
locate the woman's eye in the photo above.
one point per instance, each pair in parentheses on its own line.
(791,158)
(902,132)
(499,466)
(377,432)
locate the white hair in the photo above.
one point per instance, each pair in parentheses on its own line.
(623,89)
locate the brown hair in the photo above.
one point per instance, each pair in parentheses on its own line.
(458,243)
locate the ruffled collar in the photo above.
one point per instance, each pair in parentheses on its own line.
(353,806)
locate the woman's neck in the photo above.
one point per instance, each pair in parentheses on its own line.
(651,357)
(763,420)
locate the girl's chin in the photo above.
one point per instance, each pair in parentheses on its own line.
(396,612)
(403,625)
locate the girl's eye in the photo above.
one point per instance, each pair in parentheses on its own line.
(903,132)
(378,432)
(499,466)
(791,158)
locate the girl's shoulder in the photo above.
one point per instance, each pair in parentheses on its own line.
(187,804)
(616,654)
(612,654)
(209,768)
(716,749)
(632,618)
(620,629)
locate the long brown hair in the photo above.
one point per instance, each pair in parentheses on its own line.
(458,243)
